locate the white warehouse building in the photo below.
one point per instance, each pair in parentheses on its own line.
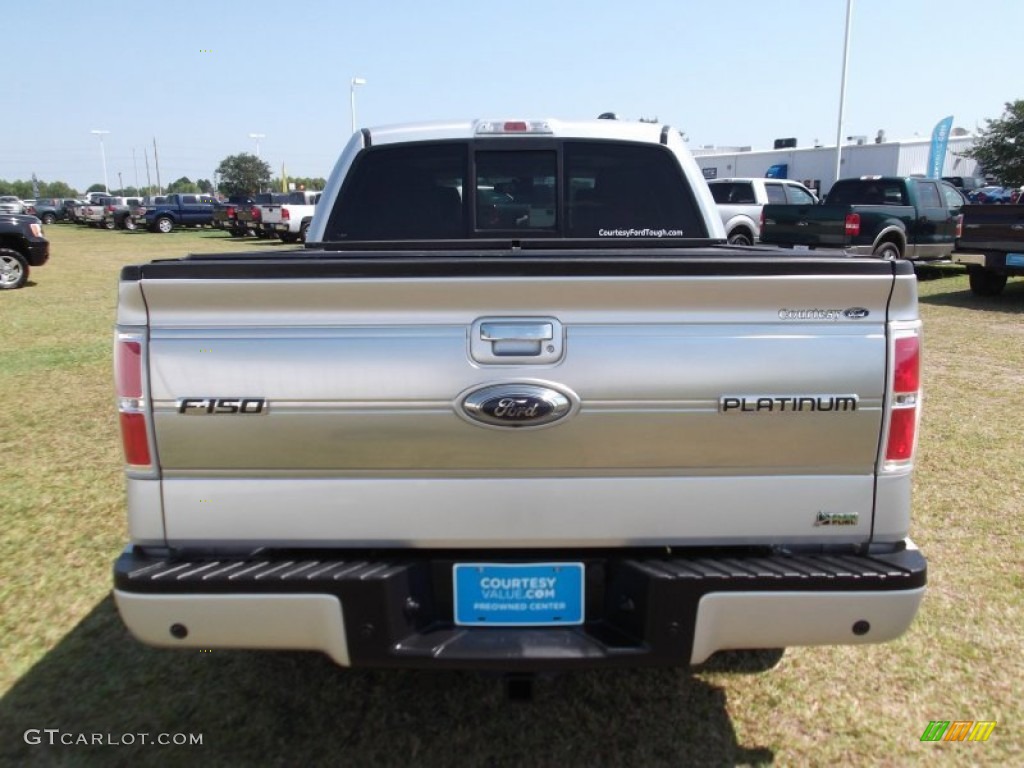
(816,166)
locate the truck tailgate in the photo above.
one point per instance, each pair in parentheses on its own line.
(327,400)
(819,225)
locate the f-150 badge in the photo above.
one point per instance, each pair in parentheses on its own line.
(516,405)
(210,406)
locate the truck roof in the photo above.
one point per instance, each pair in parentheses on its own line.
(468,129)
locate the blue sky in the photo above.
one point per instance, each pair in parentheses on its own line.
(201,76)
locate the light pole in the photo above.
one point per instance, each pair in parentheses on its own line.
(257,136)
(103,154)
(842,92)
(352,95)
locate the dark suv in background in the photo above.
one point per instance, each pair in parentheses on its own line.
(51,209)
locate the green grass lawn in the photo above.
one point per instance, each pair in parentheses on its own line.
(68,663)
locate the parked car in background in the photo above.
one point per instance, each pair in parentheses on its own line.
(71,206)
(22,246)
(49,209)
(117,212)
(11,204)
(290,219)
(991,195)
(890,217)
(91,213)
(138,209)
(740,202)
(966,184)
(250,217)
(178,210)
(225,214)
(991,246)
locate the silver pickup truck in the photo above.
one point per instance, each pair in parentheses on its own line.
(517,406)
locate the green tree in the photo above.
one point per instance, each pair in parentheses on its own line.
(23,189)
(243,174)
(205,186)
(56,189)
(1000,146)
(184,184)
(96,188)
(19,188)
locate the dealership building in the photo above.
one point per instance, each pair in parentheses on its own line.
(816,166)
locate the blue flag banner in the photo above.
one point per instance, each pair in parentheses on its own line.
(937,153)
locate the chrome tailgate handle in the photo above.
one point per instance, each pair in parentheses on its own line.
(516,331)
(516,340)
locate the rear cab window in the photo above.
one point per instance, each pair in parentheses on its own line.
(775,194)
(928,195)
(798,195)
(733,192)
(540,188)
(868,192)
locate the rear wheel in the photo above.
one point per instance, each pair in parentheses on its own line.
(164,224)
(888,251)
(741,237)
(13,269)
(289,237)
(302,231)
(984,282)
(109,223)
(129,223)
(49,218)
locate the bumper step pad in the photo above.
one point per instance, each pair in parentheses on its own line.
(640,610)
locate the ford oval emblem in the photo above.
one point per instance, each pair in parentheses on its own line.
(856,313)
(516,405)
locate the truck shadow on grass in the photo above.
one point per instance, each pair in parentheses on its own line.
(300,709)
(1010,301)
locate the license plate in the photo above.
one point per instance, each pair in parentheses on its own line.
(281,227)
(1015,259)
(518,595)
(801,247)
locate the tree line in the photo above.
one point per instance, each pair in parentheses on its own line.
(242,174)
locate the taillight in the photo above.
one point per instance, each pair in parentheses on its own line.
(905,400)
(231,212)
(131,400)
(959,226)
(285,216)
(110,209)
(255,213)
(852,224)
